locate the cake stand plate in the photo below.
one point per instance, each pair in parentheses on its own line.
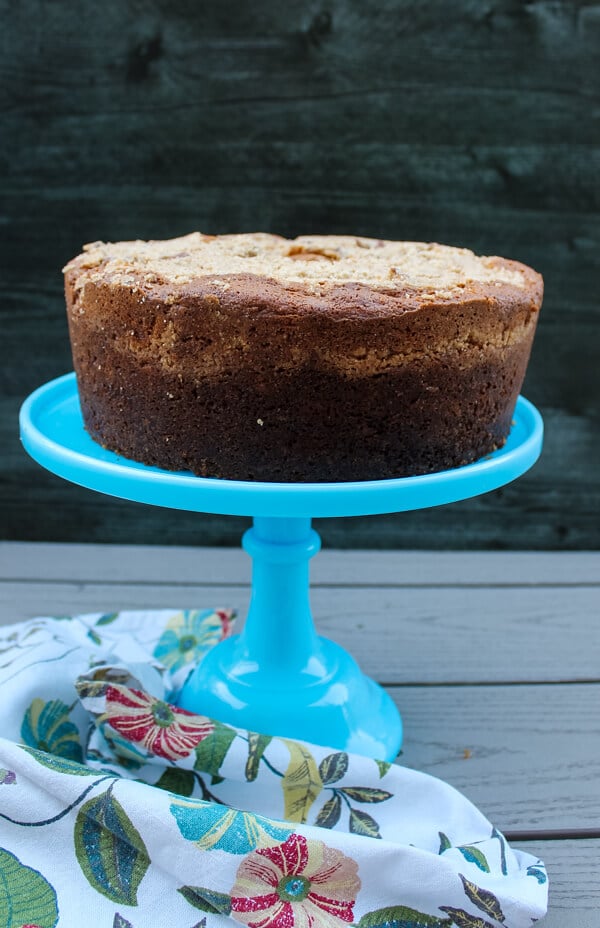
(52,432)
(277,676)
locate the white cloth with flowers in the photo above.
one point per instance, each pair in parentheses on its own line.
(119,810)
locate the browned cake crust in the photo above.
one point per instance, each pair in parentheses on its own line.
(187,362)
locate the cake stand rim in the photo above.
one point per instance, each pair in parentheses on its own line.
(103,471)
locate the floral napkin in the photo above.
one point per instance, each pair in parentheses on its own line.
(120,810)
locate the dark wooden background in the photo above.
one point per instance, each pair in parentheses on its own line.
(473,123)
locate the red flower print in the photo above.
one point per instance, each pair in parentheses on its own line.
(226,619)
(297,884)
(152,724)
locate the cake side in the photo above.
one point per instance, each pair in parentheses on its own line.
(251,378)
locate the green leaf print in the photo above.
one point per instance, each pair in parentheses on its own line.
(47,727)
(210,753)
(257,744)
(383,766)
(474,856)
(109,849)
(463,919)
(444,842)
(329,815)
(207,900)
(471,853)
(399,916)
(107,618)
(361,823)
(60,764)
(178,781)
(366,794)
(301,783)
(539,874)
(333,767)
(483,899)
(26,897)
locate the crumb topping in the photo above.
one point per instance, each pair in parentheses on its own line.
(310,261)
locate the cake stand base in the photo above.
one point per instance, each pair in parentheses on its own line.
(335,705)
(278,676)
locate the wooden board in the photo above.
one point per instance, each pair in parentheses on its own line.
(527,756)
(413,617)
(203,565)
(449,635)
(452,655)
(573,876)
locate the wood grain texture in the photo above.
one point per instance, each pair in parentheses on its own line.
(473,125)
(413,617)
(437,616)
(442,635)
(527,756)
(574,896)
(203,565)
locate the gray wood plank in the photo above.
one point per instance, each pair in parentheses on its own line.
(177,564)
(410,635)
(527,756)
(573,866)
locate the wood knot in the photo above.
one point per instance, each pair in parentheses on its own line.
(141,57)
(321,26)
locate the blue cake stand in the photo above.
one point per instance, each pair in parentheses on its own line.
(277,675)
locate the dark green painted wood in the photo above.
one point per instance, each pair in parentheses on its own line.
(473,123)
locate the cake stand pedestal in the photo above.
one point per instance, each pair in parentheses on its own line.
(277,676)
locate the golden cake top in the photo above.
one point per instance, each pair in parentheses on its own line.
(310,261)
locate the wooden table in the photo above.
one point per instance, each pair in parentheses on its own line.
(493,660)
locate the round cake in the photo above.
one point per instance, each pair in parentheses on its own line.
(322,358)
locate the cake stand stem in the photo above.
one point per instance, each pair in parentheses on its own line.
(277,675)
(279,632)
